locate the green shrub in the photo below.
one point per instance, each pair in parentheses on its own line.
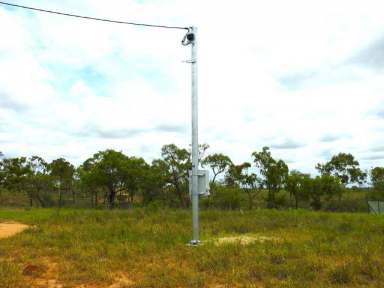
(227,198)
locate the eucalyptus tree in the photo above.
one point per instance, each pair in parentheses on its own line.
(324,186)
(15,173)
(135,176)
(273,174)
(153,184)
(252,185)
(377,181)
(87,182)
(63,172)
(218,163)
(236,174)
(202,151)
(298,186)
(106,170)
(377,178)
(174,165)
(345,167)
(39,181)
(26,175)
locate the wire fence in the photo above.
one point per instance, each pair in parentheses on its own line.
(376,207)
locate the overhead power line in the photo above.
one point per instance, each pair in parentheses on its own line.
(92,18)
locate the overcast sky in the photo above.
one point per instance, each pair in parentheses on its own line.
(305,78)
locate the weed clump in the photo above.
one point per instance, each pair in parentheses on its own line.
(277,259)
(10,275)
(341,274)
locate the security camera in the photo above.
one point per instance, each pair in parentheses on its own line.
(191,36)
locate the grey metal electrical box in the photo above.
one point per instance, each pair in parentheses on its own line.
(203,182)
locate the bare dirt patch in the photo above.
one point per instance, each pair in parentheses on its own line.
(245,239)
(11,229)
(42,274)
(121,281)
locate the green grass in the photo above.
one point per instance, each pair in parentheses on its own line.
(149,248)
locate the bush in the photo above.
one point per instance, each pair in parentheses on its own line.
(156,205)
(226,198)
(346,205)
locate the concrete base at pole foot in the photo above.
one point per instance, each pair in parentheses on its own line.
(194,243)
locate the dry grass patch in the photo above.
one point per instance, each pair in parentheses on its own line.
(245,239)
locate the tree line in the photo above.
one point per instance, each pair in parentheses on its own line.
(110,178)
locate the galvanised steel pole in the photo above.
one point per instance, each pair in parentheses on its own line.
(195,142)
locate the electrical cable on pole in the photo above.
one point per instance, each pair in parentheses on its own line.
(189,39)
(92,18)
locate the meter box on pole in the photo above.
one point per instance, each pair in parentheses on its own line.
(203,183)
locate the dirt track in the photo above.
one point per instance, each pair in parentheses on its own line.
(11,229)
